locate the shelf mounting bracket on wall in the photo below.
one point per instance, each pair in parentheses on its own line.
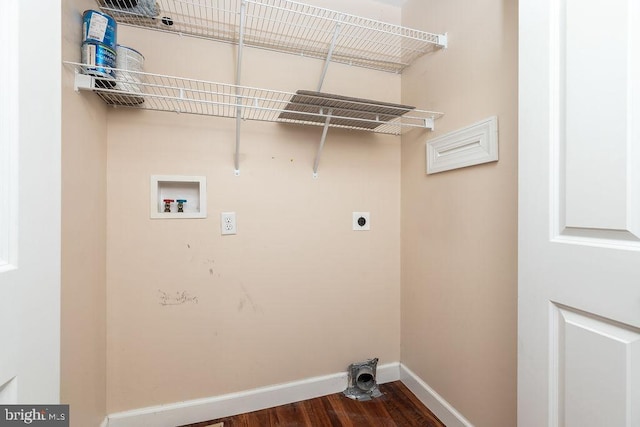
(323,138)
(243,19)
(429,123)
(442,41)
(327,61)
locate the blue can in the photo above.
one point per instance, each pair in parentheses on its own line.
(98,27)
(100,61)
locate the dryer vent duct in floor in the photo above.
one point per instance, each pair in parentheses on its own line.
(362,381)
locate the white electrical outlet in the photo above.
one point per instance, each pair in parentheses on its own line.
(361,221)
(228,223)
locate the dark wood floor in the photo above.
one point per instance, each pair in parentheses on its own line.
(397,407)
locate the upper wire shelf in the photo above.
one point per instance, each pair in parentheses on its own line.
(175,94)
(285,26)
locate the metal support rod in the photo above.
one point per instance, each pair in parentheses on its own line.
(336,33)
(243,18)
(316,163)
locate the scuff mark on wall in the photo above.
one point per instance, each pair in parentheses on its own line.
(247,299)
(176,298)
(210,263)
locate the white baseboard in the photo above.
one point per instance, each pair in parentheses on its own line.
(431,399)
(104,422)
(227,405)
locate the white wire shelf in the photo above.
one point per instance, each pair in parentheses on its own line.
(285,26)
(175,94)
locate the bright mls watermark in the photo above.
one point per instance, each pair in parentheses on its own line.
(34,415)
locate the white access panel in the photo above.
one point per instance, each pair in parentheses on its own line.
(472,145)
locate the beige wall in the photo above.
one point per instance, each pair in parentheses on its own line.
(459,227)
(296,293)
(84,155)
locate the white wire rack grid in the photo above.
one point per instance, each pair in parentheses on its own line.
(283,25)
(181,95)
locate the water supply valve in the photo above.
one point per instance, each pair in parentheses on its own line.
(167,204)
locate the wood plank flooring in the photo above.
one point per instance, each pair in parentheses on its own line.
(397,407)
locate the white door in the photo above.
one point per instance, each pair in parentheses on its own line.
(29,202)
(579,213)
